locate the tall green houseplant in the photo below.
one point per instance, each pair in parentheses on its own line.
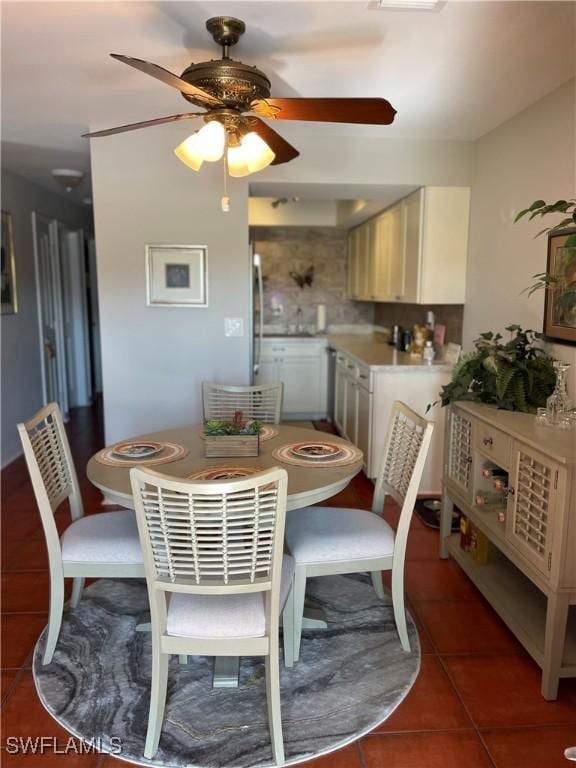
(566,282)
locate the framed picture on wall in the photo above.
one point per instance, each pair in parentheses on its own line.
(560,294)
(8,290)
(176,275)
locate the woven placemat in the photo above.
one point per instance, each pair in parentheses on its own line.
(222,473)
(170,452)
(350,455)
(266,432)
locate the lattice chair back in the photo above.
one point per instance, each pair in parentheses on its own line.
(211,537)
(262,402)
(405,451)
(52,472)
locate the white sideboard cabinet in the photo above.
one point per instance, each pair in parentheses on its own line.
(530,573)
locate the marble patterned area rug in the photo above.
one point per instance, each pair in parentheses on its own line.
(349,679)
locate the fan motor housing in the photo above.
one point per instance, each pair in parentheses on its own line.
(234,83)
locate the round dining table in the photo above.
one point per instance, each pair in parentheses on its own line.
(306,485)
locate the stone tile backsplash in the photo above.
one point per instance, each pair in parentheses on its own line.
(408,315)
(296,249)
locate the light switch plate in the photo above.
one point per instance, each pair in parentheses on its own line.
(233,326)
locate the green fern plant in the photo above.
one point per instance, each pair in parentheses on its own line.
(515,375)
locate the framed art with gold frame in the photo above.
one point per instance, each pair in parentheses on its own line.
(560,294)
(8,267)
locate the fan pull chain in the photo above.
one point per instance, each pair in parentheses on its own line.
(225,199)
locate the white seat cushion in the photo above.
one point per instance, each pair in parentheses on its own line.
(224,616)
(337,534)
(105,537)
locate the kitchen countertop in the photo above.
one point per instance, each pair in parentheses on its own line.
(379,355)
(368,349)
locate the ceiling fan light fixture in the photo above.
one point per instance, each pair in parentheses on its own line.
(68,178)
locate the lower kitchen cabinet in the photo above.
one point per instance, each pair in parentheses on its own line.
(340,394)
(363,401)
(301,365)
(363,419)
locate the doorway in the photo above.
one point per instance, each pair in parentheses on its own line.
(66,295)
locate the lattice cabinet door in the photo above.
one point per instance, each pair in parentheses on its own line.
(459,452)
(530,519)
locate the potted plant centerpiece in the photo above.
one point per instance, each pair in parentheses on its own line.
(238,437)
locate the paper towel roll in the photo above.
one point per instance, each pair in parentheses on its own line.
(321,318)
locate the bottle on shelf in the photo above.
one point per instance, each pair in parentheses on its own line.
(490,472)
(501,484)
(490,499)
(479,546)
(465,533)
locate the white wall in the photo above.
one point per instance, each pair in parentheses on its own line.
(530,157)
(155,358)
(21,377)
(369,160)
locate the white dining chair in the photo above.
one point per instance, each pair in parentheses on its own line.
(105,544)
(331,540)
(217,578)
(262,402)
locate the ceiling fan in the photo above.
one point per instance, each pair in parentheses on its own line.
(227,89)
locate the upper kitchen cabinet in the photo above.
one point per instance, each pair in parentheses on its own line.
(436,245)
(415,251)
(361,244)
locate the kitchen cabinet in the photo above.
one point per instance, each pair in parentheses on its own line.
(365,394)
(530,574)
(361,244)
(301,364)
(387,255)
(350,414)
(413,252)
(364,419)
(340,383)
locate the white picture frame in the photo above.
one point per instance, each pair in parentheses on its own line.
(176,275)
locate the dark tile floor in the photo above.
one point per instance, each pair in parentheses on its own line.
(475,704)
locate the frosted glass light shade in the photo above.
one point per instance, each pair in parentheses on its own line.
(206,144)
(187,154)
(258,153)
(252,155)
(210,140)
(237,162)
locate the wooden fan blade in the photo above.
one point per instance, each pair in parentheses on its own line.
(367,111)
(144,124)
(282,149)
(201,97)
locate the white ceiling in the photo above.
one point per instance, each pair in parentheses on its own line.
(455,73)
